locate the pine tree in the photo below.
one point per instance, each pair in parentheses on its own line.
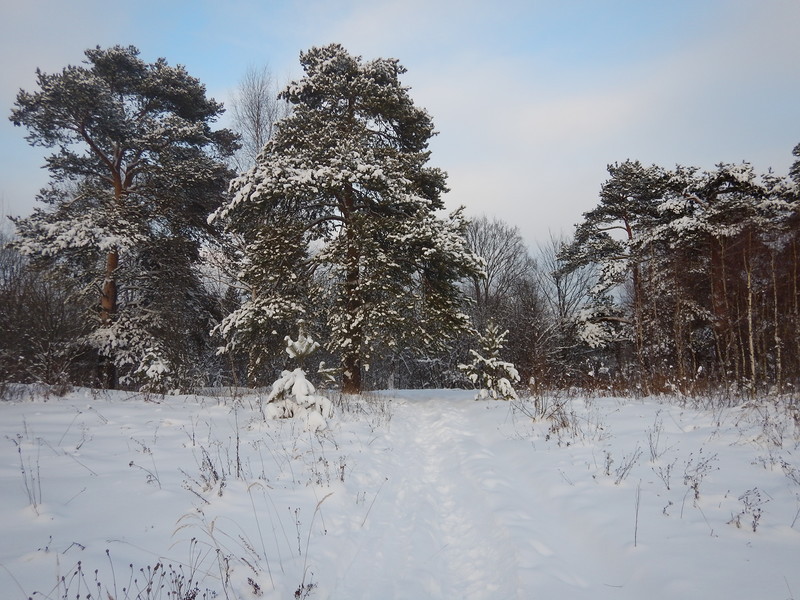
(727,238)
(608,238)
(494,377)
(705,270)
(339,219)
(135,172)
(292,394)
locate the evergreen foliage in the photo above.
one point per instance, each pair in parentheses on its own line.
(293,395)
(702,283)
(339,221)
(492,376)
(136,169)
(679,279)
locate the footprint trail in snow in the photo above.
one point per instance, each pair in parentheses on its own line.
(448,521)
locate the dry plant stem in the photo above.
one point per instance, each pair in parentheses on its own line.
(636,523)
(260,534)
(373,502)
(786,581)
(274,531)
(654,437)
(14,579)
(31,478)
(627,464)
(308,537)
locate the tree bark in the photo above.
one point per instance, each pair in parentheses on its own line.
(351,359)
(776,331)
(720,309)
(108,295)
(751,347)
(108,308)
(794,328)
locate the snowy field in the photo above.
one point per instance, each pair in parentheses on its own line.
(411,494)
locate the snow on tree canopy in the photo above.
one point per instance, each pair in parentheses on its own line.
(135,172)
(293,395)
(343,188)
(693,268)
(494,377)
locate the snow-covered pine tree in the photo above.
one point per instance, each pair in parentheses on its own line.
(492,376)
(727,240)
(292,394)
(702,275)
(342,190)
(135,172)
(607,238)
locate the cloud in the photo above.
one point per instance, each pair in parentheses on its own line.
(532,99)
(530,145)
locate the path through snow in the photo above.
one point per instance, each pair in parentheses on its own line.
(455,518)
(430,532)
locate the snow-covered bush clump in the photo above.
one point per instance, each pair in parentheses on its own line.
(493,377)
(293,395)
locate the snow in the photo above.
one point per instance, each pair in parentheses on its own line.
(300,348)
(293,395)
(406,494)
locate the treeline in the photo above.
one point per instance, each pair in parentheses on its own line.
(697,276)
(678,281)
(169,255)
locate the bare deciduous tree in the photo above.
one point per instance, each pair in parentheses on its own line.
(564,294)
(256,109)
(509,294)
(507,264)
(41,322)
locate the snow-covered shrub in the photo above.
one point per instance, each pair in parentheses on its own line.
(293,395)
(494,378)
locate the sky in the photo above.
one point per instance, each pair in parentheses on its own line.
(532,99)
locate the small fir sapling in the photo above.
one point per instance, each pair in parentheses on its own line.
(494,378)
(293,395)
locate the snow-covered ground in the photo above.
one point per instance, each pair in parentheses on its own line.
(409,494)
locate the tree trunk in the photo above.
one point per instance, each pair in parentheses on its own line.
(751,347)
(720,308)
(108,308)
(351,360)
(351,374)
(776,331)
(794,331)
(108,295)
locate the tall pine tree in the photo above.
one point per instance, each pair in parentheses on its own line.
(136,170)
(343,191)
